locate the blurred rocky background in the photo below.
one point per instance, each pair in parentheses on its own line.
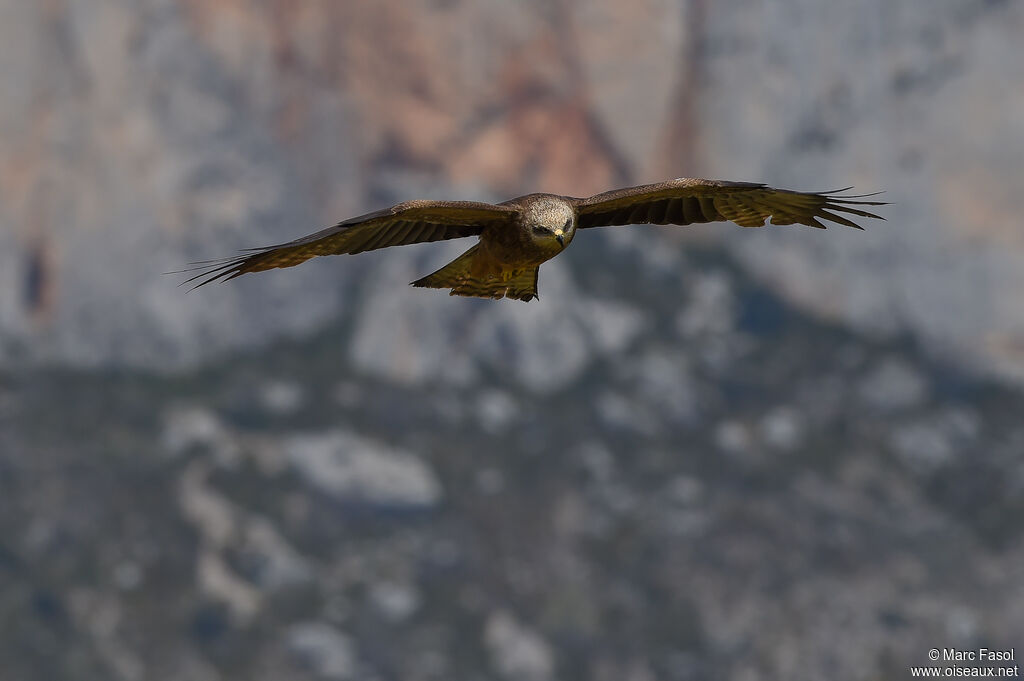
(703,453)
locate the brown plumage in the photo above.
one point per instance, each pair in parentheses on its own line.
(516,236)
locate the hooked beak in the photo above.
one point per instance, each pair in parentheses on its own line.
(561,238)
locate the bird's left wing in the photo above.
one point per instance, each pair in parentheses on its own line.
(405,223)
(686,201)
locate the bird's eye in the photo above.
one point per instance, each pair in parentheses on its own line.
(539,229)
(568,223)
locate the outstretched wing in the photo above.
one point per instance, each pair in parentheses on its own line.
(686,201)
(411,222)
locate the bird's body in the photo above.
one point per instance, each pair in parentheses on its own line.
(517,236)
(505,261)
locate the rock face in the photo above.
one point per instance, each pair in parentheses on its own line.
(737,491)
(890,101)
(736,454)
(138,136)
(354,470)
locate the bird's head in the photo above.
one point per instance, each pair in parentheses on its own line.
(551,223)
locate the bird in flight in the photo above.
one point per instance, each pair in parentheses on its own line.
(517,236)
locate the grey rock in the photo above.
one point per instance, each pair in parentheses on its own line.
(938,440)
(189,427)
(733,437)
(277,564)
(711,308)
(782,428)
(224,148)
(517,652)
(497,410)
(281,397)
(355,469)
(397,601)
(893,384)
(544,344)
(325,650)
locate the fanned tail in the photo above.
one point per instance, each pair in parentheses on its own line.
(469,275)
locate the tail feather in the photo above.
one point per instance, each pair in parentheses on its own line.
(471,275)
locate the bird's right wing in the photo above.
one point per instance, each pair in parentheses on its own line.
(411,222)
